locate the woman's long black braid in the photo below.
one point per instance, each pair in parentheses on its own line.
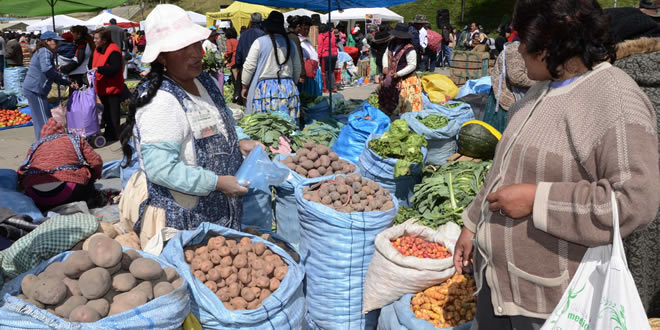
(277,57)
(154,79)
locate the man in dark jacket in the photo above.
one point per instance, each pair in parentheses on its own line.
(119,38)
(244,43)
(13,52)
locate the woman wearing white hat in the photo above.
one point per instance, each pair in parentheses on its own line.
(185,137)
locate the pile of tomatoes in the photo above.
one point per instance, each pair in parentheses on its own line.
(10,118)
(417,247)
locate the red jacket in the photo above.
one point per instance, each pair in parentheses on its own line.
(323,44)
(60,152)
(107,85)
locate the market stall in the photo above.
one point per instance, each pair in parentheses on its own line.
(61,22)
(104,18)
(239,14)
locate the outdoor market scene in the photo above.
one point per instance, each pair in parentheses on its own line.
(292,164)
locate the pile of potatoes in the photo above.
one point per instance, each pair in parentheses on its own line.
(265,236)
(101,281)
(316,160)
(241,274)
(350,194)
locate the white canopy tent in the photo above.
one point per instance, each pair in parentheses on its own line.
(61,22)
(359,14)
(99,20)
(197,18)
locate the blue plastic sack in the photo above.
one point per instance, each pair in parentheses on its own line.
(353,136)
(286,212)
(13,78)
(374,167)
(475,86)
(258,172)
(14,200)
(320,111)
(166,312)
(336,249)
(461,112)
(441,142)
(399,316)
(284,309)
(257,210)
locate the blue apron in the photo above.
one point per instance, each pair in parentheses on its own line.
(216,153)
(75,140)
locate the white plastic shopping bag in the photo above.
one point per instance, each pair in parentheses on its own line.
(602,294)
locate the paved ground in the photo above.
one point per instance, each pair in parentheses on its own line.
(15,142)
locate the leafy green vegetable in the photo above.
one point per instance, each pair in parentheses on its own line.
(228,92)
(267,128)
(309,100)
(445,192)
(373,100)
(401,143)
(323,132)
(211,62)
(340,106)
(435,121)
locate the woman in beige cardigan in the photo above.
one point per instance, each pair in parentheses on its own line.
(583,131)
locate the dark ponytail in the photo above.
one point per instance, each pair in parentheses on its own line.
(153,81)
(277,57)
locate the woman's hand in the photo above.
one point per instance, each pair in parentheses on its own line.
(246,146)
(229,186)
(463,251)
(244,92)
(514,201)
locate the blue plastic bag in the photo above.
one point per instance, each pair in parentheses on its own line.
(259,173)
(399,316)
(13,78)
(374,167)
(462,112)
(257,210)
(283,309)
(166,312)
(362,122)
(475,86)
(319,111)
(441,142)
(336,249)
(14,200)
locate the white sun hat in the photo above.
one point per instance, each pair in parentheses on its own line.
(168,28)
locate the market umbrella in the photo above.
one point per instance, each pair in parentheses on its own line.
(329,6)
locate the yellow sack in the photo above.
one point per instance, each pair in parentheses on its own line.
(191,323)
(439,87)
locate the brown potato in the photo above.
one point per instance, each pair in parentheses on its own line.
(258,264)
(104,251)
(27,284)
(95,283)
(123,282)
(264,294)
(254,304)
(119,307)
(213,275)
(146,269)
(200,275)
(84,313)
(251,257)
(77,263)
(163,288)
(256,290)
(233,278)
(247,294)
(221,283)
(226,261)
(196,263)
(189,255)
(245,249)
(110,296)
(129,240)
(146,288)
(126,261)
(280,272)
(108,229)
(73,286)
(54,270)
(65,308)
(216,243)
(244,275)
(49,291)
(114,269)
(178,282)
(206,266)
(231,243)
(240,261)
(225,272)
(215,257)
(233,290)
(223,295)
(201,250)
(263,282)
(234,251)
(38,304)
(101,306)
(133,254)
(224,251)
(238,303)
(133,297)
(170,274)
(85,246)
(274,284)
(245,241)
(212,286)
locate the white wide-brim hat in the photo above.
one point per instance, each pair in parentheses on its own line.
(168,28)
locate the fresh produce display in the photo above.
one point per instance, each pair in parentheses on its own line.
(267,129)
(415,246)
(10,118)
(102,281)
(445,192)
(435,121)
(373,100)
(228,92)
(254,231)
(478,139)
(447,305)
(345,106)
(323,132)
(309,100)
(350,194)
(316,160)
(402,143)
(240,273)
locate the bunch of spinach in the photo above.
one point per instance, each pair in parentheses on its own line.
(267,129)
(323,132)
(445,192)
(401,143)
(435,121)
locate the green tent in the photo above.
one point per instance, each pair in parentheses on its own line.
(31,8)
